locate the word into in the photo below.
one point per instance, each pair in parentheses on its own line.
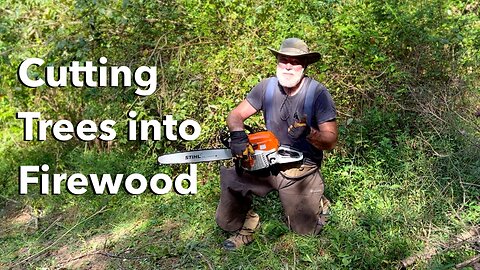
(166,128)
(78,183)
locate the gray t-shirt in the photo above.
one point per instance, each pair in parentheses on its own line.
(287,109)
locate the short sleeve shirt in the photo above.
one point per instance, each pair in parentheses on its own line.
(287,109)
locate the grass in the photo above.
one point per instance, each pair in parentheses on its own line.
(405,176)
(389,202)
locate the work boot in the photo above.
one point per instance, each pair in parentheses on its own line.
(324,214)
(245,235)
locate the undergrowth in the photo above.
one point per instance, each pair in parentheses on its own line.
(389,199)
(404,177)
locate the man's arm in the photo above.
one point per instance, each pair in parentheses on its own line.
(325,137)
(239,114)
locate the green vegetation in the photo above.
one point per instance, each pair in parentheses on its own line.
(405,176)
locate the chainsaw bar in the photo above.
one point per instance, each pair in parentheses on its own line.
(196,156)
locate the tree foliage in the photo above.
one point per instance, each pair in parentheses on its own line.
(404,75)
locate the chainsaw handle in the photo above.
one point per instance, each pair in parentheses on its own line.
(224,135)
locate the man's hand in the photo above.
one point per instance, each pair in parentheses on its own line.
(297,129)
(239,144)
(325,136)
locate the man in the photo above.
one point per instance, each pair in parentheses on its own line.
(308,128)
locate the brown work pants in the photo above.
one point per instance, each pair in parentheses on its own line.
(300,190)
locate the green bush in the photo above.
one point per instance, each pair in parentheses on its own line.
(404,76)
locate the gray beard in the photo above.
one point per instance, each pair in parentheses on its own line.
(289,82)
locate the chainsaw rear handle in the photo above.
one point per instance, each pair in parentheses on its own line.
(285,154)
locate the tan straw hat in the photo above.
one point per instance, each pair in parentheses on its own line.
(297,48)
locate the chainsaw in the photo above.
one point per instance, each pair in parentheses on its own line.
(267,152)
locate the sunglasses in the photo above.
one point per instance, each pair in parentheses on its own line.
(290,62)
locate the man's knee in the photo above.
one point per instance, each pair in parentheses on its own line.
(302,214)
(228,224)
(303,224)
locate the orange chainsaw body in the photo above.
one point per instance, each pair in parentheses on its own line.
(264,151)
(263,141)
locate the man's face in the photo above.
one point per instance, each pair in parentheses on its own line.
(290,70)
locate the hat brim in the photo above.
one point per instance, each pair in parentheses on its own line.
(311,57)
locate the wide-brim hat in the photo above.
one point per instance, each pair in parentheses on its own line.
(296,47)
